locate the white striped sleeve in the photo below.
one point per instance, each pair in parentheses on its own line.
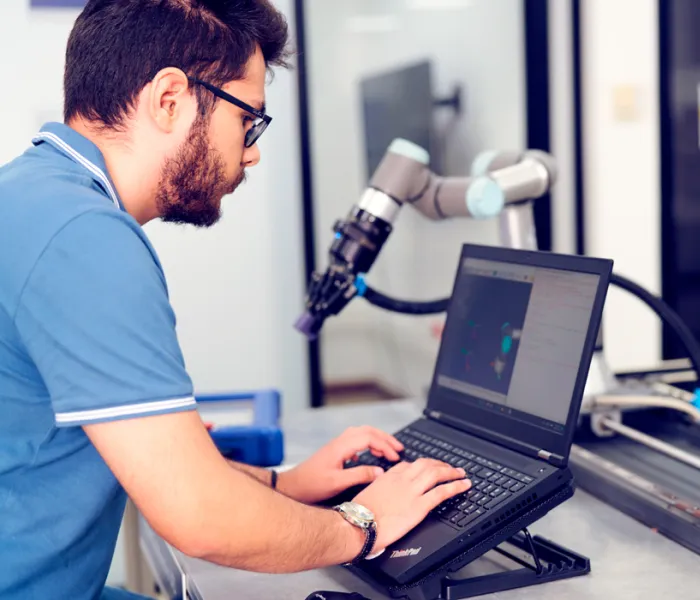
(99,415)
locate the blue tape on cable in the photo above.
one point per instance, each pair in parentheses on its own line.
(360,285)
(696,401)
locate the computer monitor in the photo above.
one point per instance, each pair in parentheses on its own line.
(398,104)
(520,325)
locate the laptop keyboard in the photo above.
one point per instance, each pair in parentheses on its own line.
(492,483)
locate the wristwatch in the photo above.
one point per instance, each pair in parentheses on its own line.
(361,517)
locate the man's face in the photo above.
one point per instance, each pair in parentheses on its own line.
(211,162)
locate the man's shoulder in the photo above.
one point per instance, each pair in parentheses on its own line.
(41,201)
(36,188)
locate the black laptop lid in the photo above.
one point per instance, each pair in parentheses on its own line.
(517,345)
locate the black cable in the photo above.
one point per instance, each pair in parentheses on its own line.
(667,314)
(405,307)
(663,310)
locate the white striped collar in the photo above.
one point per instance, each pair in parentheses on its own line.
(83,152)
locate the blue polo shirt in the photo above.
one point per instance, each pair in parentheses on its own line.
(87,335)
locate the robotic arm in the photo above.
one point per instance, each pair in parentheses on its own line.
(403,177)
(499,180)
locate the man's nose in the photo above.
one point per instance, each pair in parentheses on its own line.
(251,156)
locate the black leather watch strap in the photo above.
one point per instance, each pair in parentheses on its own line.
(371,536)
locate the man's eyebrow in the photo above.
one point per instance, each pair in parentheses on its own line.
(261,106)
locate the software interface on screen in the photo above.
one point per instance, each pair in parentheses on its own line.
(514,339)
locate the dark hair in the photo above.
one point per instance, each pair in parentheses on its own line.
(117,46)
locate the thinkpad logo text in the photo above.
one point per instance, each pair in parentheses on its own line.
(407,552)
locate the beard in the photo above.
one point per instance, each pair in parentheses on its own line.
(193,183)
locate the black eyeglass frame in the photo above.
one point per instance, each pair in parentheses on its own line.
(257,129)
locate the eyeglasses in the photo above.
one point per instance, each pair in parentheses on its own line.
(259,125)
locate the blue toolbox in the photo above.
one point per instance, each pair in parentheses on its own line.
(245,426)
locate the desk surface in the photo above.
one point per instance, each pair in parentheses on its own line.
(628,560)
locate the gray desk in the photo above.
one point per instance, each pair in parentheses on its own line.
(629,561)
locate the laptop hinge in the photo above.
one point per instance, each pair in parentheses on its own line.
(552,459)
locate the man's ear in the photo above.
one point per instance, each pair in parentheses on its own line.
(170,99)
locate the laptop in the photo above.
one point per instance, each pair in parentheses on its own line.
(504,401)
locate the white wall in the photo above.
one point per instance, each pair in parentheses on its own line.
(621,163)
(32,61)
(477,43)
(237,288)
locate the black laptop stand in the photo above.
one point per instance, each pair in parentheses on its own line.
(540,561)
(546,561)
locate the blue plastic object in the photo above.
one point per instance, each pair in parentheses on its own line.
(260,444)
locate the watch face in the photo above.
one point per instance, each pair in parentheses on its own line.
(358,512)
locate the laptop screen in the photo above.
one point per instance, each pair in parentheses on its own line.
(514,343)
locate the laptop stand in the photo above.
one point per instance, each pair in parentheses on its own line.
(545,561)
(541,561)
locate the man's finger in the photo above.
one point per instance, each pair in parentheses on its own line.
(381,445)
(361,439)
(374,432)
(396,444)
(400,467)
(430,478)
(376,442)
(359,475)
(425,464)
(439,494)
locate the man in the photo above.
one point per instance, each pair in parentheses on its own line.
(164,103)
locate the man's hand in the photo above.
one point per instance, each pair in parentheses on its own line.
(403,496)
(323,476)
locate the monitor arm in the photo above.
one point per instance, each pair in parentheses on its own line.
(502,183)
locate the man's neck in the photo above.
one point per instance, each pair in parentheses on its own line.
(131,173)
